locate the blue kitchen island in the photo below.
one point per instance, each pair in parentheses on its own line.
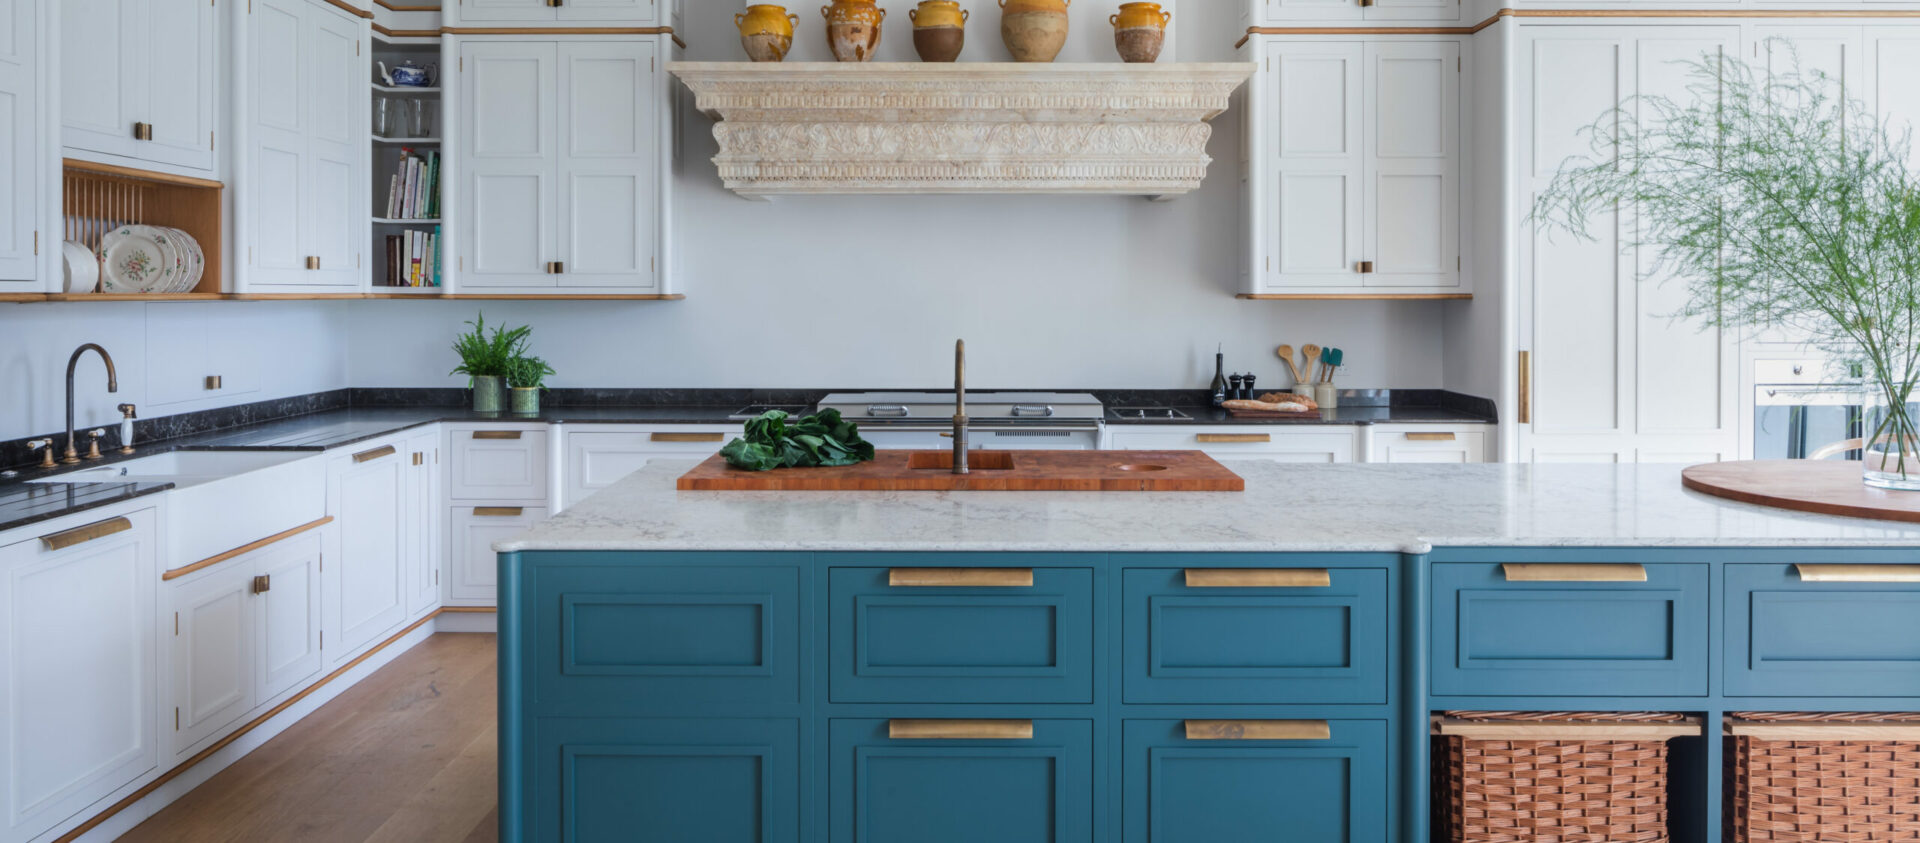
(1171,667)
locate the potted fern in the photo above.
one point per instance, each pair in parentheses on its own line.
(526,376)
(484,358)
(1782,205)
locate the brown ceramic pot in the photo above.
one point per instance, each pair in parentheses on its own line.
(1139,31)
(939,30)
(853,29)
(766,32)
(1034,30)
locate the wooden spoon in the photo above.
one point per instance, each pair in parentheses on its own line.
(1309,355)
(1286,356)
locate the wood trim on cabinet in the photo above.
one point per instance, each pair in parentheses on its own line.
(393,8)
(125,297)
(1836,731)
(1232,438)
(351,9)
(469,610)
(406,33)
(497,434)
(1572,13)
(1551,731)
(960,577)
(1258,730)
(1355,296)
(687,437)
(249,547)
(1448,436)
(85,533)
(556,30)
(1259,578)
(960,730)
(499,511)
(135,173)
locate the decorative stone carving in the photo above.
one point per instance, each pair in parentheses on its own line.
(961,128)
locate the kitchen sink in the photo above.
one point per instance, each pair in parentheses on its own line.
(976,461)
(181,468)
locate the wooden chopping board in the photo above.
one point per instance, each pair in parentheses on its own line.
(1827,487)
(991,471)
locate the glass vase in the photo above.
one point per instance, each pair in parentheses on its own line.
(1891,456)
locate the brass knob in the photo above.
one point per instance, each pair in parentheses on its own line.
(313,261)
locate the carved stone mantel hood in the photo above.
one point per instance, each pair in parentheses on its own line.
(1138,129)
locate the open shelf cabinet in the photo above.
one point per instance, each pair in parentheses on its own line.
(98,198)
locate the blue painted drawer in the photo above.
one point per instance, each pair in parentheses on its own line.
(961,644)
(668,639)
(1192,638)
(1791,634)
(714,781)
(940,790)
(1178,790)
(1496,636)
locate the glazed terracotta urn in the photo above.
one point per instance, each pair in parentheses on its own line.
(939,30)
(766,31)
(853,29)
(1139,31)
(1034,30)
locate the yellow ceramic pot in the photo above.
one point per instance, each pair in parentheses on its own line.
(1034,30)
(1139,31)
(853,28)
(1136,15)
(933,13)
(766,31)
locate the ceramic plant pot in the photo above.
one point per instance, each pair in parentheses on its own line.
(526,401)
(766,31)
(853,29)
(1139,31)
(939,30)
(489,393)
(1034,30)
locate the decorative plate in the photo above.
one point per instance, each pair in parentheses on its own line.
(196,261)
(82,267)
(135,261)
(182,245)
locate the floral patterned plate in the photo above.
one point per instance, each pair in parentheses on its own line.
(137,260)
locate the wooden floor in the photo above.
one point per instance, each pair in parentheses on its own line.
(406,756)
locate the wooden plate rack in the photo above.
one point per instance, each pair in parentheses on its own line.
(100,197)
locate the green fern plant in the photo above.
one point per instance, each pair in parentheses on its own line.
(484,355)
(527,373)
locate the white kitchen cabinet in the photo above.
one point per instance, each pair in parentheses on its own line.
(214,675)
(1355,168)
(493,463)
(20,162)
(423,521)
(1272,12)
(78,690)
(138,82)
(541,12)
(303,101)
(1614,378)
(472,564)
(286,609)
(1229,443)
(597,457)
(366,491)
(1429,443)
(564,151)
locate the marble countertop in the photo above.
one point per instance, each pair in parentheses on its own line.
(1286,508)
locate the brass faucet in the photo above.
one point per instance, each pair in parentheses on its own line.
(960,407)
(113,385)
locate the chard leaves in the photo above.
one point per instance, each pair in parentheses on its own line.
(776,440)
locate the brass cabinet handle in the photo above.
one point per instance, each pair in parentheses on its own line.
(215,382)
(1574,572)
(1432,437)
(497,434)
(263,583)
(418,458)
(960,730)
(1225,438)
(960,577)
(1259,730)
(1858,573)
(688,437)
(81,535)
(313,261)
(1364,268)
(498,511)
(556,267)
(143,131)
(370,456)
(1259,578)
(1526,387)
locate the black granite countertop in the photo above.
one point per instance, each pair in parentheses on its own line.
(22,504)
(1196,415)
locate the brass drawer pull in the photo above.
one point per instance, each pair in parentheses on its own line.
(498,511)
(1259,578)
(1525,367)
(960,730)
(419,458)
(1232,438)
(1574,572)
(370,456)
(81,535)
(960,577)
(1432,437)
(215,382)
(497,434)
(313,261)
(263,583)
(1259,730)
(688,437)
(143,131)
(1858,573)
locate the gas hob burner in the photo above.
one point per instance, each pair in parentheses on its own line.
(1151,413)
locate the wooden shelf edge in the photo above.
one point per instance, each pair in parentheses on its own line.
(25,298)
(563,297)
(143,175)
(1355,296)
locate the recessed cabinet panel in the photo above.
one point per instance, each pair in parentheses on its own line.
(596,459)
(288,614)
(335,143)
(1318,161)
(499,469)
(1178,790)
(1037,790)
(19,172)
(180,96)
(368,503)
(1790,637)
(1413,162)
(1896,58)
(511,162)
(213,658)
(609,136)
(714,781)
(139,62)
(102,87)
(472,564)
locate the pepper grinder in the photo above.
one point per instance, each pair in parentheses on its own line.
(1248,392)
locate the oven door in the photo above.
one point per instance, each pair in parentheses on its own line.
(1794,422)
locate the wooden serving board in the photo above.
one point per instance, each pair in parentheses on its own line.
(991,471)
(1273,414)
(1827,487)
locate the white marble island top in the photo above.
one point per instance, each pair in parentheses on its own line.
(1286,508)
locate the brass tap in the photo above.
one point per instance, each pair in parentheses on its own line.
(45,447)
(113,385)
(93,443)
(960,407)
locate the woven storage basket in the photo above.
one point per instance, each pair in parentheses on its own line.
(1567,789)
(1786,784)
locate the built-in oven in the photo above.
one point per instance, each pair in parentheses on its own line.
(1797,415)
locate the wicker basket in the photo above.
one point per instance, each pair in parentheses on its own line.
(1553,777)
(1788,782)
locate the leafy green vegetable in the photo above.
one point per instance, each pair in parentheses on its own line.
(824,439)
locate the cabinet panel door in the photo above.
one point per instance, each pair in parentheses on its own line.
(598,458)
(1895,57)
(369,504)
(884,789)
(516,10)
(511,154)
(103,82)
(182,41)
(336,143)
(607,143)
(490,469)
(1412,215)
(1319,156)
(19,169)
(473,566)
(1285,10)
(1787,636)
(1177,790)
(279,209)
(627,11)
(1429,10)
(287,615)
(423,522)
(213,660)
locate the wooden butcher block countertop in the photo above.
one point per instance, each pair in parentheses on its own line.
(991,471)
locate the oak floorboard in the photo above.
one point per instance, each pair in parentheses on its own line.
(406,754)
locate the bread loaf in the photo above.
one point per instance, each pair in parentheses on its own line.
(1267,406)
(1290,398)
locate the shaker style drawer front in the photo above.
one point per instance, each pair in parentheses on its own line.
(686,779)
(1329,787)
(1553,629)
(941,786)
(961,635)
(498,465)
(1255,636)
(666,638)
(1823,630)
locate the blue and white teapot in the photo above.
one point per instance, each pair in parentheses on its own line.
(408,75)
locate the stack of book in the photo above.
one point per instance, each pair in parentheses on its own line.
(413,259)
(414,191)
